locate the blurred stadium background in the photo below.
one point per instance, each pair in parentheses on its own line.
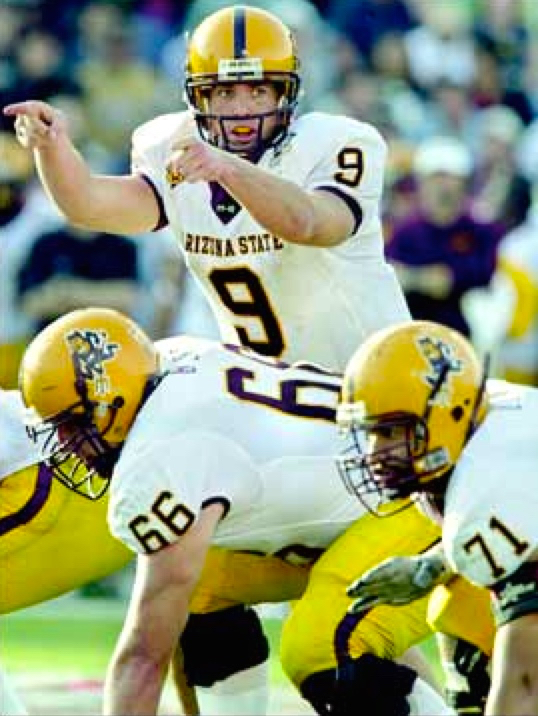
(417,69)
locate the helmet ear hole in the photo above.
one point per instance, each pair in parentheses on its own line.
(457,413)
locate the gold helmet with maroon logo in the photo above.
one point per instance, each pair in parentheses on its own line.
(424,380)
(83,380)
(247,45)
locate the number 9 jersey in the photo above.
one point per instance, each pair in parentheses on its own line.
(279,298)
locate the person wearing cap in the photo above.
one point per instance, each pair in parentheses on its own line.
(442,251)
(499,189)
(23,219)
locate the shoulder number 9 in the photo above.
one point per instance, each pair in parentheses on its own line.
(351,162)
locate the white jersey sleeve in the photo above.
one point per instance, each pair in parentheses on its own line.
(148,509)
(152,145)
(490,525)
(352,165)
(344,156)
(17,451)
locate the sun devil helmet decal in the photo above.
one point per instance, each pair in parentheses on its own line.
(90,349)
(438,356)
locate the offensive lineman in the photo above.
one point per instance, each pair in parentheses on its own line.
(198,448)
(467,448)
(40,520)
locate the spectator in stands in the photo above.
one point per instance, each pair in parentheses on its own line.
(499,191)
(40,65)
(72,268)
(366,21)
(504,26)
(489,87)
(120,91)
(450,112)
(406,107)
(23,217)
(443,251)
(441,47)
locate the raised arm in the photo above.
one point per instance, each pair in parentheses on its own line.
(120,205)
(156,617)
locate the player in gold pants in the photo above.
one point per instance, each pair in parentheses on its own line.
(45,529)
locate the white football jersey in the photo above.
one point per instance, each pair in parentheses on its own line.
(17,451)
(490,524)
(282,299)
(241,429)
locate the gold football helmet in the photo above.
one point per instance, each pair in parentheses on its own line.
(241,44)
(421,386)
(83,380)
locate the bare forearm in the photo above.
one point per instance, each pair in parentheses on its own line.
(282,207)
(514,672)
(66,178)
(133,686)
(136,674)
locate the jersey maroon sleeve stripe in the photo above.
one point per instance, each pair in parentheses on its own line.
(352,204)
(163,219)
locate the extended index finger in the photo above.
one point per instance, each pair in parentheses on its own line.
(31,108)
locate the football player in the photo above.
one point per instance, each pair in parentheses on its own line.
(198,446)
(42,522)
(467,448)
(249,190)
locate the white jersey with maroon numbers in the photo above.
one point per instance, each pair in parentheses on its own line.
(490,524)
(230,426)
(278,298)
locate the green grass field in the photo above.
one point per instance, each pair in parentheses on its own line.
(57,655)
(79,642)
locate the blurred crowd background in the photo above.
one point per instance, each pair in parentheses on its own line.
(452,85)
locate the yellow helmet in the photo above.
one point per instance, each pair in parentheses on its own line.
(424,379)
(83,380)
(242,44)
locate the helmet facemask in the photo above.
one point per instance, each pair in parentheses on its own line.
(391,472)
(241,45)
(405,467)
(72,433)
(198,90)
